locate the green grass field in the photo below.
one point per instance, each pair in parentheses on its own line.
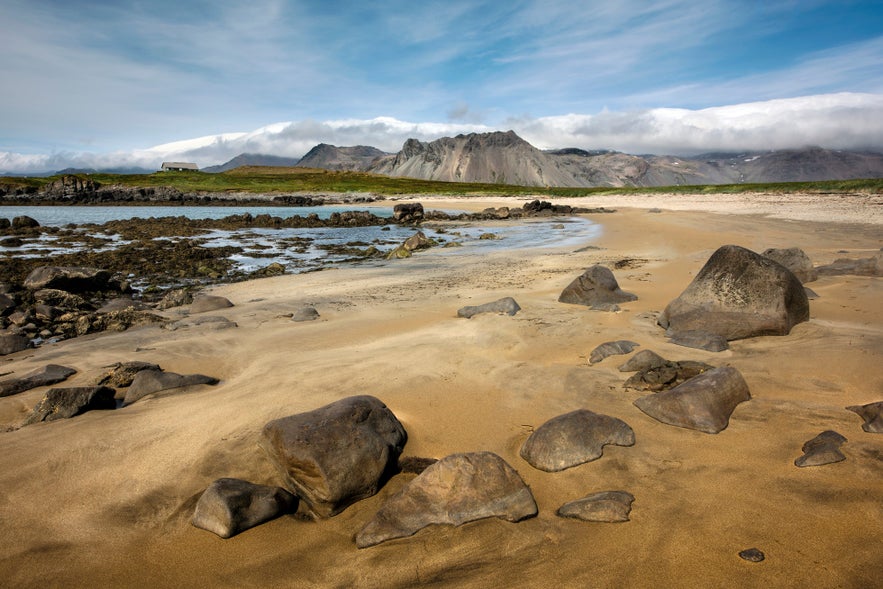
(255,179)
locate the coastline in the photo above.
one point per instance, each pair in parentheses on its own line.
(105,498)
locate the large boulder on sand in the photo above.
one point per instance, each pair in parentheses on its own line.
(457,489)
(739,294)
(230,506)
(796,260)
(596,287)
(574,438)
(205,303)
(336,455)
(703,403)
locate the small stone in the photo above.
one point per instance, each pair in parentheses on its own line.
(606,506)
(752,555)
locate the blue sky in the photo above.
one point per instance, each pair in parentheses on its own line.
(107,80)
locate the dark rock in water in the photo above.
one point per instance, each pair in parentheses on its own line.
(121,374)
(796,260)
(700,340)
(643,360)
(703,403)
(872,413)
(49,374)
(230,506)
(11,343)
(305,314)
(606,506)
(336,455)
(455,490)
(872,266)
(574,438)
(596,286)
(738,294)
(506,305)
(68,279)
(418,241)
(667,376)
(147,382)
(407,212)
(205,303)
(611,349)
(822,449)
(64,403)
(752,555)
(24,222)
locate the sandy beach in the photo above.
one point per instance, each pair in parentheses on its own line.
(104,499)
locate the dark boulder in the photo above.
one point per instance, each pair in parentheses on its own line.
(455,490)
(65,403)
(230,506)
(205,303)
(872,413)
(738,294)
(11,343)
(147,382)
(505,306)
(611,349)
(595,288)
(68,278)
(6,303)
(703,403)
(407,212)
(24,222)
(643,360)
(574,438)
(606,506)
(418,241)
(49,374)
(796,260)
(822,449)
(336,455)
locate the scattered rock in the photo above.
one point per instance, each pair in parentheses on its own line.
(574,438)
(205,303)
(596,286)
(796,260)
(606,506)
(336,455)
(752,555)
(703,403)
(121,374)
(643,360)
(305,314)
(68,278)
(700,340)
(822,449)
(738,294)
(11,343)
(872,413)
(230,506)
(457,489)
(65,403)
(506,305)
(666,376)
(611,349)
(147,382)
(49,374)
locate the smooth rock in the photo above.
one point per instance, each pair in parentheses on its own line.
(230,506)
(872,413)
(67,278)
(65,403)
(574,438)
(594,287)
(752,555)
(457,489)
(796,260)
(336,455)
(305,314)
(11,343)
(822,449)
(147,382)
(205,303)
(643,360)
(121,374)
(24,222)
(506,306)
(703,403)
(611,349)
(49,374)
(606,506)
(738,294)
(700,340)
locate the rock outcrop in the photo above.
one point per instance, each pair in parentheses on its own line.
(49,374)
(65,403)
(457,489)
(206,303)
(147,382)
(336,455)
(738,294)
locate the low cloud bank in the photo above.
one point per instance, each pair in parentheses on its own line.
(834,121)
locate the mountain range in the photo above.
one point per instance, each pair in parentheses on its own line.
(506,158)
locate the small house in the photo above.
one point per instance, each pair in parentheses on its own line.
(179,167)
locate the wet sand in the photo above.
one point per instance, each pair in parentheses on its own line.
(104,499)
